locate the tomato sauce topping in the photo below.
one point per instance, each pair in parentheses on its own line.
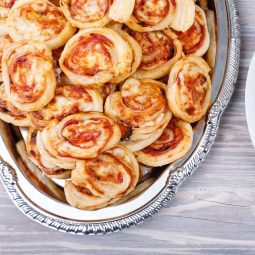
(169,140)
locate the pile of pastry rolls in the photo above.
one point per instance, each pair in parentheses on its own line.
(105,87)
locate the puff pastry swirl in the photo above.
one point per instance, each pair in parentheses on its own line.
(174,143)
(196,39)
(121,10)
(140,108)
(28,75)
(11,114)
(96,55)
(68,99)
(98,182)
(81,136)
(189,89)
(86,13)
(152,15)
(136,56)
(38,154)
(160,50)
(39,20)
(184,15)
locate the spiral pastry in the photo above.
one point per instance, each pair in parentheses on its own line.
(5,6)
(121,10)
(184,15)
(28,75)
(98,182)
(39,20)
(195,41)
(5,41)
(141,111)
(136,56)
(96,55)
(51,166)
(152,15)
(86,13)
(160,50)
(81,136)
(174,143)
(9,113)
(69,99)
(210,56)
(189,89)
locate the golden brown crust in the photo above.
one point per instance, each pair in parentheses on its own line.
(121,10)
(81,136)
(136,56)
(11,114)
(84,14)
(98,182)
(42,158)
(189,89)
(68,99)
(141,110)
(212,29)
(174,143)
(96,56)
(160,50)
(28,75)
(43,21)
(151,15)
(184,15)
(195,41)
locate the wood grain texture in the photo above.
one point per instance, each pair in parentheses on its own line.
(213,212)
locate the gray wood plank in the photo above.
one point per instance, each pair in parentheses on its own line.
(213,213)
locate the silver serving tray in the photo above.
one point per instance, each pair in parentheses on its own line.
(42,199)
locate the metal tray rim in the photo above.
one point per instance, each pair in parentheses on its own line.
(8,175)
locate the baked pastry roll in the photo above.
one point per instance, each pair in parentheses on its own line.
(160,50)
(11,114)
(212,29)
(5,41)
(98,182)
(28,75)
(136,56)
(140,108)
(39,20)
(5,6)
(184,15)
(81,136)
(69,99)
(189,89)
(37,153)
(96,55)
(86,13)
(195,41)
(174,143)
(121,10)
(151,15)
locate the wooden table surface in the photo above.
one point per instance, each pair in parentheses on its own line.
(213,212)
